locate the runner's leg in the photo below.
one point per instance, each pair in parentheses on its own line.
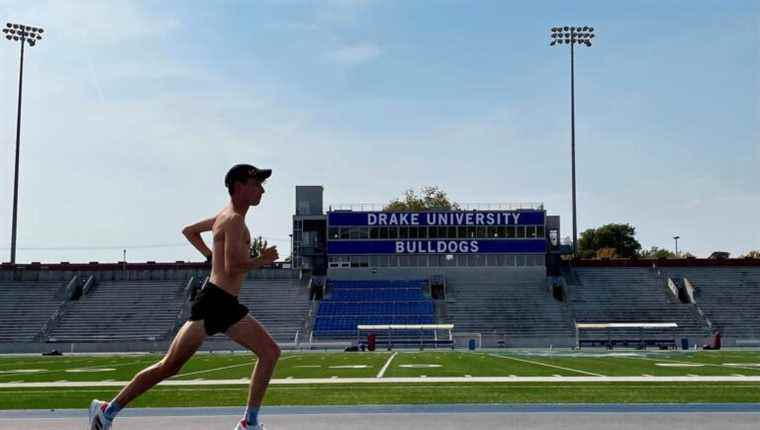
(251,334)
(189,338)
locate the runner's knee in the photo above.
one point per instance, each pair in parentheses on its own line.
(271,353)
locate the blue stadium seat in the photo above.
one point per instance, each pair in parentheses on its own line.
(351,303)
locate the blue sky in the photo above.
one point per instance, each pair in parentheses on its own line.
(133,112)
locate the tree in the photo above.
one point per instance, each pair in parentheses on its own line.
(755,253)
(620,237)
(655,253)
(606,253)
(428,199)
(257,246)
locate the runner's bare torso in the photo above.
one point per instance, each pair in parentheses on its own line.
(229,227)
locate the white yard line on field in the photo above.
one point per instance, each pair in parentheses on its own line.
(547,365)
(198,372)
(690,362)
(385,367)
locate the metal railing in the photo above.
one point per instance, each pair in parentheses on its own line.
(378,207)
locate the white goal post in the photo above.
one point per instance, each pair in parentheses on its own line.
(410,335)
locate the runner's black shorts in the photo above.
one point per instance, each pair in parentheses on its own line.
(218,309)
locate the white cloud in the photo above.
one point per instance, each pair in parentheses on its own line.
(355,54)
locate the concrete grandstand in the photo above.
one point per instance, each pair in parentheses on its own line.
(102,307)
(494,272)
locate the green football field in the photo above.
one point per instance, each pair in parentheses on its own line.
(323,378)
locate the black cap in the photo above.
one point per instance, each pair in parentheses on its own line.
(241,173)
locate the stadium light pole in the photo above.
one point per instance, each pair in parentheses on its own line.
(31,35)
(572,36)
(676,237)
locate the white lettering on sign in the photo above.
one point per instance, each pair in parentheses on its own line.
(436,246)
(490,218)
(453,218)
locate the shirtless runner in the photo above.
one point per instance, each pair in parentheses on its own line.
(216,308)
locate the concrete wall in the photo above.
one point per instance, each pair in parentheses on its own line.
(159,347)
(126,272)
(451,273)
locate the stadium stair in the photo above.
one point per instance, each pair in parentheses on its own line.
(728,296)
(514,307)
(632,295)
(25,308)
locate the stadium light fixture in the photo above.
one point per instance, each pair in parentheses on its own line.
(572,36)
(31,35)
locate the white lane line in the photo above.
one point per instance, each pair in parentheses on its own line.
(198,372)
(385,367)
(547,365)
(392,380)
(685,362)
(350,366)
(423,387)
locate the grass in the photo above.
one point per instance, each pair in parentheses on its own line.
(404,364)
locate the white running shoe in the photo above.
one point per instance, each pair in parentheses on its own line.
(243,425)
(98,421)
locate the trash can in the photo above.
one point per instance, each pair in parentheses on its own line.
(371,342)
(684,343)
(471,345)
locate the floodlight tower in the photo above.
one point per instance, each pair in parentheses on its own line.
(572,36)
(31,35)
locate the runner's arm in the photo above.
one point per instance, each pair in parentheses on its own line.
(193,234)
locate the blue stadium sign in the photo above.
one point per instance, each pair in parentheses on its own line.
(457,218)
(353,247)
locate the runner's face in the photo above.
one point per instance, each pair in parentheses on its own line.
(254,190)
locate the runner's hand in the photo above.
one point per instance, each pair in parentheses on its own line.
(268,255)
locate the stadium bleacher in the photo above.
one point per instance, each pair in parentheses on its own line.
(353,302)
(25,307)
(728,296)
(509,306)
(632,294)
(121,310)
